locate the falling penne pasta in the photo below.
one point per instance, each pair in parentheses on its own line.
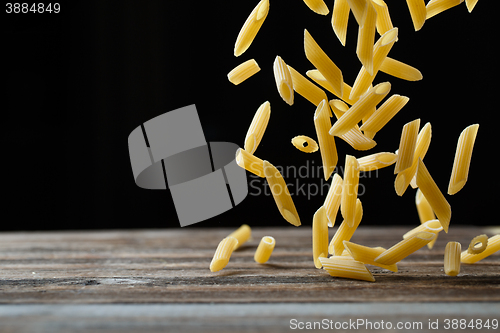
(332,200)
(257,127)
(367,255)
(250,162)
(376,161)
(317,6)
(264,250)
(452,258)
(418,12)
(340,18)
(358,8)
(463,156)
(478,244)
(242,234)
(327,145)
(283,80)
(433,226)
(350,190)
(223,253)
(243,71)
(281,194)
(305,144)
(320,236)
(470,4)
(400,70)
(345,232)
(306,88)
(425,213)
(251,27)
(407,146)
(384,113)
(435,7)
(345,267)
(366,37)
(404,248)
(384,22)
(492,247)
(317,77)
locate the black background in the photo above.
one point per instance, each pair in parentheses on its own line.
(80,81)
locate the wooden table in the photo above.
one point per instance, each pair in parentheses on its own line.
(158,280)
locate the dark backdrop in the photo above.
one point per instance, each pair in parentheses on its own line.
(80,81)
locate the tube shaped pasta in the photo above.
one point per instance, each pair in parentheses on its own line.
(317,77)
(306,88)
(320,236)
(435,7)
(358,8)
(223,253)
(384,113)
(376,161)
(452,258)
(327,146)
(400,70)
(366,37)
(257,127)
(404,248)
(461,163)
(332,200)
(367,255)
(470,4)
(242,234)
(431,191)
(492,247)
(478,244)
(305,144)
(418,12)
(251,27)
(346,267)
(265,249)
(384,22)
(433,226)
(281,194)
(424,209)
(350,190)
(407,146)
(283,80)
(250,162)
(345,232)
(340,18)
(317,6)
(243,71)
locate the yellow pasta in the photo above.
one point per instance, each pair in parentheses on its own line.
(332,200)
(317,6)
(242,234)
(327,145)
(384,22)
(223,253)
(346,268)
(366,37)
(425,213)
(404,248)
(281,194)
(251,27)
(376,161)
(257,127)
(407,146)
(243,71)
(340,18)
(345,232)
(493,246)
(452,258)
(367,255)
(250,162)
(433,226)
(435,7)
(359,109)
(400,70)
(317,77)
(463,156)
(384,113)
(265,249)
(431,191)
(418,12)
(470,4)
(320,236)
(283,80)
(306,88)
(350,190)
(478,244)
(358,8)
(323,63)
(305,144)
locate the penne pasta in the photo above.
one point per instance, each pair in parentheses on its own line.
(425,213)
(327,145)
(350,190)
(384,113)
(257,127)
(436,199)
(400,70)
(418,13)
(323,63)
(332,200)
(283,80)
(265,249)
(250,162)
(384,22)
(461,163)
(251,27)
(345,232)
(306,88)
(367,255)
(281,194)
(404,248)
(223,253)
(346,267)
(305,144)
(243,71)
(470,4)
(317,77)
(358,8)
(452,258)
(492,247)
(478,244)
(317,6)
(435,7)
(320,236)
(242,234)
(366,37)
(376,161)
(433,226)
(407,146)
(340,18)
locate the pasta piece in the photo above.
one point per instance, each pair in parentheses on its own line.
(250,162)
(317,77)
(242,234)
(492,247)
(317,6)
(265,249)
(359,109)
(376,161)
(407,146)
(281,194)
(425,213)
(345,232)
(323,63)
(452,258)
(243,71)
(283,80)
(340,18)
(305,144)
(384,113)
(470,4)
(358,8)
(346,268)
(251,27)
(404,248)
(306,88)
(463,156)
(320,236)
(332,200)
(350,190)
(433,226)
(431,191)
(384,22)
(367,255)
(366,37)
(435,7)
(400,70)
(327,145)
(478,244)
(257,127)
(418,12)
(223,253)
